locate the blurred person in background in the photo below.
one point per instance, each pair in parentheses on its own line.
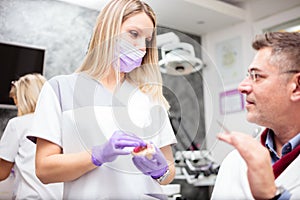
(17,153)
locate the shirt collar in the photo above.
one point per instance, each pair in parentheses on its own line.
(287,147)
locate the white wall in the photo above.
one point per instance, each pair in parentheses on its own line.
(213,84)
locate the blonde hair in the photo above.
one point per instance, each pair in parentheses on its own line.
(101,52)
(25,92)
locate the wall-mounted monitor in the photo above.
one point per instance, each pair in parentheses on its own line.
(17,60)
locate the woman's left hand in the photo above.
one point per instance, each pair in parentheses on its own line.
(156,167)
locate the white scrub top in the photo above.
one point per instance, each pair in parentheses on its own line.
(77,112)
(16,148)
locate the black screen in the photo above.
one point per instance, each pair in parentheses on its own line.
(16,61)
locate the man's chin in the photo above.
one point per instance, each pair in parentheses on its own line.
(251,118)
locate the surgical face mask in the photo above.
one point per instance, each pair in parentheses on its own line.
(130,56)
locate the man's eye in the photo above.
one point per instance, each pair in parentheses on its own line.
(254,76)
(257,76)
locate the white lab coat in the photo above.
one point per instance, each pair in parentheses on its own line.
(16,148)
(70,116)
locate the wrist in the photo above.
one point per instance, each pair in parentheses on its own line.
(278,192)
(163,176)
(95,161)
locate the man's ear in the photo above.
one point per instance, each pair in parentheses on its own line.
(296,88)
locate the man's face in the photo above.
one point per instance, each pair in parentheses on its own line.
(266,91)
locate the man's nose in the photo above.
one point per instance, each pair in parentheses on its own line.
(245,86)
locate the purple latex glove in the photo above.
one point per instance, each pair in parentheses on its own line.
(114,147)
(155,167)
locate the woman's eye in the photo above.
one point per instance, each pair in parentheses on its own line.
(134,34)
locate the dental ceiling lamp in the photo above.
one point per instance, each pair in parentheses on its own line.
(177,58)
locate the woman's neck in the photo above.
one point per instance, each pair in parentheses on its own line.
(110,82)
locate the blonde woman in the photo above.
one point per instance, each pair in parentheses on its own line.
(16,151)
(88,123)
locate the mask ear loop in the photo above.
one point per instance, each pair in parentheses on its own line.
(116,60)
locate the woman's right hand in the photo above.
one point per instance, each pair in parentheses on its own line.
(114,147)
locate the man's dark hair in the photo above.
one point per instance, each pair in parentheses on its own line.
(285,48)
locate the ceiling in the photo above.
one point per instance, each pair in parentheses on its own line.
(192,16)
